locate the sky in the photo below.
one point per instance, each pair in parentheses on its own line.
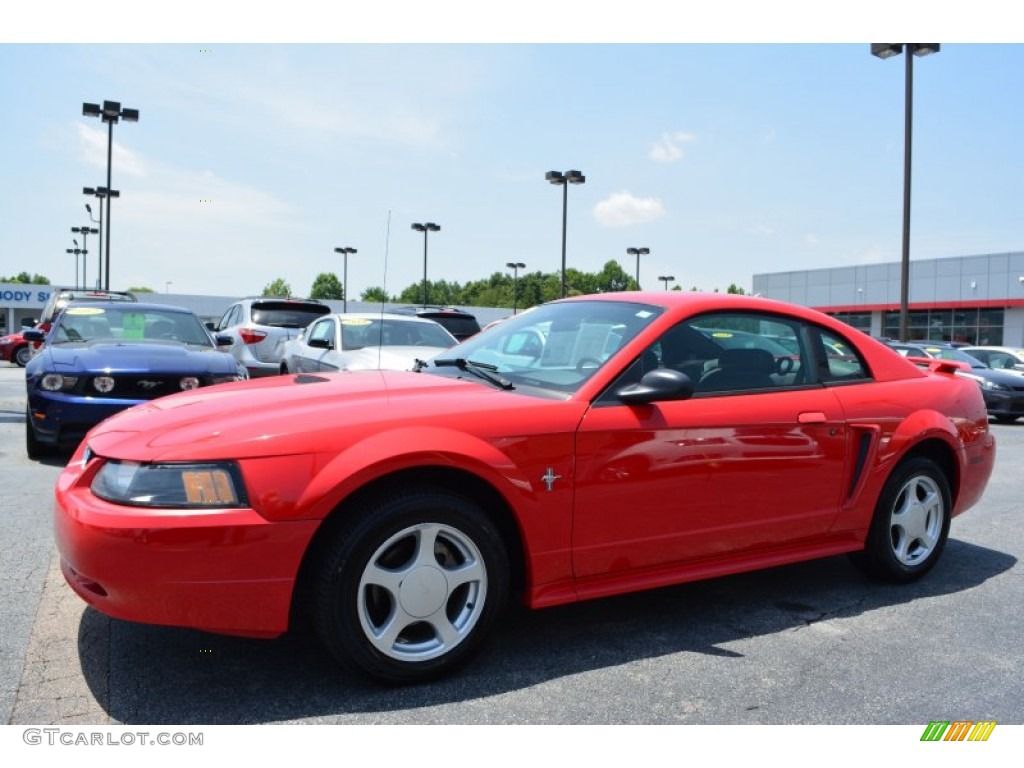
(727,148)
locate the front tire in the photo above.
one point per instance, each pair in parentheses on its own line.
(911,523)
(33,447)
(410,584)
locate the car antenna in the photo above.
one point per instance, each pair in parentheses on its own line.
(383,300)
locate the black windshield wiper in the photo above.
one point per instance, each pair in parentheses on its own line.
(482,370)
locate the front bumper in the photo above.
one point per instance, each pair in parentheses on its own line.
(62,420)
(225,570)
(1004,403)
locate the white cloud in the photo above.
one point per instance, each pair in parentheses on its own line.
(92,143)
(764,229)
(622,209)
(811,239)
(667,149)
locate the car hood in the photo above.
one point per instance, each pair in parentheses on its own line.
(1006,378)
(317,413)
(134,357)
(385,358)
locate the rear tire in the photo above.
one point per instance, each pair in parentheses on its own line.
(910,525)
(410,584)
(22,355)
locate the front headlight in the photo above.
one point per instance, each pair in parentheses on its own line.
(200,485)
(54,382)
(993,385)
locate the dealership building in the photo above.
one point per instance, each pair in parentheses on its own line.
(975,299)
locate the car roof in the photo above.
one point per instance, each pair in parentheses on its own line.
(136,306)
(381,316)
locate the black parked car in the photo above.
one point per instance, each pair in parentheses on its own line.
(1003,391)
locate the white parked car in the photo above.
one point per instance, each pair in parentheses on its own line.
(361,341)
(1002,358)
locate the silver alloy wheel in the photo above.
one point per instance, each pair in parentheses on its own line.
(916,523)
(23,355)
(422,592)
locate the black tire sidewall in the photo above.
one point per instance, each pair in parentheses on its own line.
(344,560)
(878,555)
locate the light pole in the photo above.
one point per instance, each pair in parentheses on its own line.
(78,252)
(84,232)
(515,266)
(167,286)
(425,229)
(666,279)
(109,113)
(638,252)
(344,285)
(99,222)
(885,51)
(563,180)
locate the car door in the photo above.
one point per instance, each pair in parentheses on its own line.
(759,465)
(318,343)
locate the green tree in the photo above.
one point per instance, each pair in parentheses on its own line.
(733,288)
(613,278)
(375,294)
(327,286)
(141,289)
(26,278)
(278,287)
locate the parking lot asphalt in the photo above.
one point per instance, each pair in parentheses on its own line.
(814,643)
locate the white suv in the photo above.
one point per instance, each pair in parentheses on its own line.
(259,328)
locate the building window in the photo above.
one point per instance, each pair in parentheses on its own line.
(859,320)
(971,326)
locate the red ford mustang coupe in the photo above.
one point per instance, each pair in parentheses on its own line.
(587,447)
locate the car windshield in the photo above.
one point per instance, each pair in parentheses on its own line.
(952,353)
(359,332)
(127,323)
(554,347)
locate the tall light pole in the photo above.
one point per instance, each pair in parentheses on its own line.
(344,285)
(425,229)
(84,232)
(101,193)
(167,286)
(99,222)
(563,180)
(638,252)
(78,252)
(109,113)
(515,266)
(885,51)
(666,279)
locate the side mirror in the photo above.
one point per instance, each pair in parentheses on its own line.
(320,343)
(210,326)
(223,340)
(661,384)
(31,334)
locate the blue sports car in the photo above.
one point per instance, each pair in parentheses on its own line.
(100,358)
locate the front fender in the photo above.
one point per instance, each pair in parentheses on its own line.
(409,447)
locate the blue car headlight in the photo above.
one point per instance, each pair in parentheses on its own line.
(55,382)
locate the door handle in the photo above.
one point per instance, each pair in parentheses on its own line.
(811,417)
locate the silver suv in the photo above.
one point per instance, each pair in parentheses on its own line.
(259,328)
